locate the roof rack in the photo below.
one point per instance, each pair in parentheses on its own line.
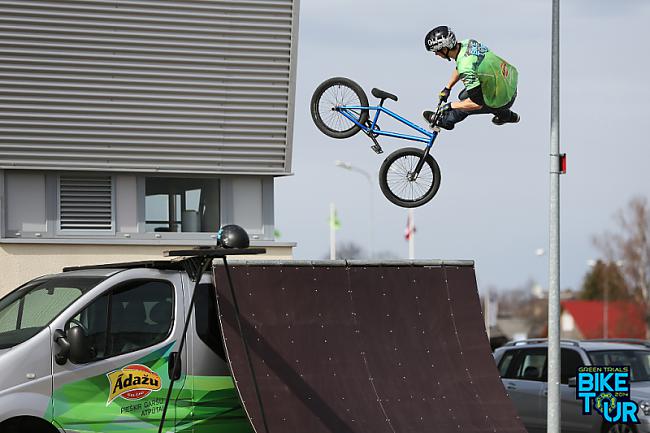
(540,340)
(151,264)
(188,260)
(621,340)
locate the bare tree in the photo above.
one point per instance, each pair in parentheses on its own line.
(630,246)
(348,251)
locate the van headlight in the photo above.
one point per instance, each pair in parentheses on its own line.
(644,405)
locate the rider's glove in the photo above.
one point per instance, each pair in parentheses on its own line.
(444,94)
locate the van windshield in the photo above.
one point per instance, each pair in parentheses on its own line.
(638,360)
(30,308)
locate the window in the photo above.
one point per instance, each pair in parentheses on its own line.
(128,318)
(570,362)
(529,364)
(181,204)
(86,203)
(207,319)
(29,309)
(506,361)
(638,360)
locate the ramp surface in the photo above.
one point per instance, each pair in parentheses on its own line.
(352,349)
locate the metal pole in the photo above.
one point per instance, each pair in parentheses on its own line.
(369,178)
(553,414)
(411,225)
(332,232)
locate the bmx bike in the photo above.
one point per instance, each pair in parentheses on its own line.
(408,177)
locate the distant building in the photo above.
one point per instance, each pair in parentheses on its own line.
(595,319)
(129,128)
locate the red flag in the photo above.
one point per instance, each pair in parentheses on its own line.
(409,231)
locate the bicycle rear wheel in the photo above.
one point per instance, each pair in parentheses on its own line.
(333,93)
(395,182)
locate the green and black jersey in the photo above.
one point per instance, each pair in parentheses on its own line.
(478,66)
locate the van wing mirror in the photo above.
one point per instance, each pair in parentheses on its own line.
(80,352)
(64,347)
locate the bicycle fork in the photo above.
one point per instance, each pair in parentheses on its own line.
(412,176)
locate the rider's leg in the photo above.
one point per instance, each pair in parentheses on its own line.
(504,114)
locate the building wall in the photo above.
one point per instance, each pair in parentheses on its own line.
(166,86)
(116,92)
(20,263)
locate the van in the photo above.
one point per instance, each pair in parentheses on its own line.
(88,350)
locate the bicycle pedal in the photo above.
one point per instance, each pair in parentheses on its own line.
(377,148)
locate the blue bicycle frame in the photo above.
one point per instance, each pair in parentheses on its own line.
(429,137)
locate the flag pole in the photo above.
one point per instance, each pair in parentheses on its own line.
(411,225)
(332,222)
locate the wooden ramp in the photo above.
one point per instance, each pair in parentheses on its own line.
(345,347)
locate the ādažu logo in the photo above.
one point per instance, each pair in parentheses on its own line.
(133,382)
(607,390)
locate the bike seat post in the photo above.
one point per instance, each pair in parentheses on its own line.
(374,122)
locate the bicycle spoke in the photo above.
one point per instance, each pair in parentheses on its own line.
(399,183)
(338,96)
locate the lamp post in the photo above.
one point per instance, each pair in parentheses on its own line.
(554,365)
(347,166)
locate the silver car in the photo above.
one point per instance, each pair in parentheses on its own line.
(522,365)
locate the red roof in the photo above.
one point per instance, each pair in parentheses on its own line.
(625,319)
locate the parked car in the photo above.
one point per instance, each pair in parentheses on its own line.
(522,366)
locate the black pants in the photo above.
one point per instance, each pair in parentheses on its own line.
(454,116)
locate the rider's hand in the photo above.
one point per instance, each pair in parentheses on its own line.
(444,94)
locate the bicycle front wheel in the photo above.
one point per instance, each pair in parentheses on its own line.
(398,184)
(334,93)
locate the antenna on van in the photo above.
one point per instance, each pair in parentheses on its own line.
(196,262)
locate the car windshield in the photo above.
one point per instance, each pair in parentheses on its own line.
(30,308)
(638,360)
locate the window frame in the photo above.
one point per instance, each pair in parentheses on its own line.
(109,292)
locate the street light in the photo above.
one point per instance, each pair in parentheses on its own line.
(347,166)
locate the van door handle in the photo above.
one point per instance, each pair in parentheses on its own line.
(174,366)
(511,385)
(545,392)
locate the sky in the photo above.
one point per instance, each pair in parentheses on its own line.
(493,203)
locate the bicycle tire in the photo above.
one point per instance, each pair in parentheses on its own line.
(336,92)
(396,186)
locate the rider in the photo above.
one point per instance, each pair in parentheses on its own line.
(490,82)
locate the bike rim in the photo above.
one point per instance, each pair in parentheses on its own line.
(399,184)
(335,96)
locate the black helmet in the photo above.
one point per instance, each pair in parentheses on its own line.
(232,236)
(439,38)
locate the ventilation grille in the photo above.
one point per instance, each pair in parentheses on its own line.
(86,203)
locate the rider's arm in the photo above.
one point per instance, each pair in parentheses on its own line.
(453,80)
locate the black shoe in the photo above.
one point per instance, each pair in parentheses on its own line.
(428,116)
(514,118)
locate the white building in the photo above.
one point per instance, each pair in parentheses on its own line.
(132,127)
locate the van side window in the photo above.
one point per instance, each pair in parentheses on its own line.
(128,318)
(207,319)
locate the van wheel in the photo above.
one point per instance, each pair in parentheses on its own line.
(27,424)
(618,428)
